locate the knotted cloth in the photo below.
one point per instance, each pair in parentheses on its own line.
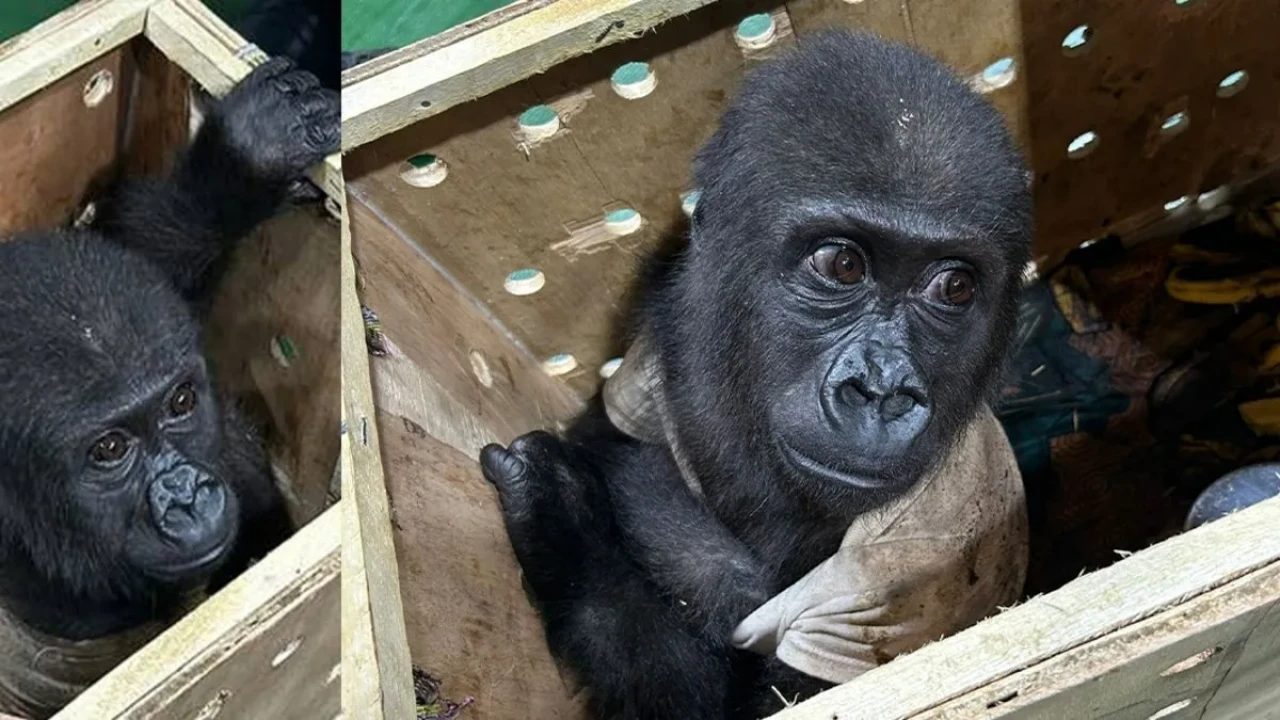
(928,564)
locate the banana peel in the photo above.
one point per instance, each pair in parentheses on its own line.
(1222,285)
(1262,416)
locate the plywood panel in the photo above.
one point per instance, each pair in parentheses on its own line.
(56,151)
(469,622)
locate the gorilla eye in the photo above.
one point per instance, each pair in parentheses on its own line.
(840,263)
(953,287)
(183,401)
(110,448)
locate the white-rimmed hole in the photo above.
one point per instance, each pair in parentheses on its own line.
(98,87)
(689,202)
(1175,124)
(610,367)
(1177,204)
(480,368)
(622,221)
(286,653)
(1191,662)
(756,32)
(1213,198)
(525,281)
(1083,144)
(539,123)
(633,80)
(1171,709)
(1076,42)
(560,364)
(424,171)
(334,673)
(1088,243)
(1233,83)
(998,74)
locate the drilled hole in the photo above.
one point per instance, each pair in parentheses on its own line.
(525,281)
(424,171)
(756,32)
(998,74)
(98,88)
(1213,198)
(1171,709)
(622,221)
(633,80)
(1191,662)
(1083,145)
(1177,204)
(1076,42)
(689,202)
(1233,84)
(560,364)
(539,123)
(610,367)
(1175,124)
(286,653)
(480,368)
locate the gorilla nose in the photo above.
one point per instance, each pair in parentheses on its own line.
(184,501)
(877,389)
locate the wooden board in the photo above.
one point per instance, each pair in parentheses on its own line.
(57,152)
(265,647)
(280,297)
(470,624)
(477,386)
(1061,627)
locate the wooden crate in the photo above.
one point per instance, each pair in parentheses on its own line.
(457,360)
(102,89)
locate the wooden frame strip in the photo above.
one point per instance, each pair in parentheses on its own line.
(377,677)
(1096,605)
(217,57)
(306,563)
(58,46)
(430,79)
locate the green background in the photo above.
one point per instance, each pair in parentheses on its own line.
(376,24)
(366,24)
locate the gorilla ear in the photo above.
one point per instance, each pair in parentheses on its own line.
(631,394)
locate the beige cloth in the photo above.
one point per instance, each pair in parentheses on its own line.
(40,674)
(930,563)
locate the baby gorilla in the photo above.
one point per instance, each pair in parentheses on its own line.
(835,322)
(126,482)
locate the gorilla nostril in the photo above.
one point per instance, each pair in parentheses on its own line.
(898,404)
(854,394)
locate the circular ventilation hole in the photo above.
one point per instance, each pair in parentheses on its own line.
(560,364)
(622,222)
(756,31)
(1213,198)
(525,281)
(283,351)
(286,653)
(1191,662)
(1088,243)
(480,368)
(1233,84)
(633,80)
(689,202)
(610,367)
(334,674)
(1185,2)
(1171,709)
(98,88)
(1076,42)
(1084,144)
(1177,204)
(1175,124)
(424,171)
(539,123)
(997,75)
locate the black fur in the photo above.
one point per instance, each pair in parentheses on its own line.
(94,321)
(847,142)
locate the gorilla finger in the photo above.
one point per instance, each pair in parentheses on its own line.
(295,82)
(538,443)
(500,466)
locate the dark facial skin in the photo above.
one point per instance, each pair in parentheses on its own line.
(124,477)
(839,313)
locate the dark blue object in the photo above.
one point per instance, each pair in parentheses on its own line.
(1234,491)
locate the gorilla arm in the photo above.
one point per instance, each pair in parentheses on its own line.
(254,143)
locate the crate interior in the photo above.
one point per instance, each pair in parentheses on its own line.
(273,336)
(1140,120)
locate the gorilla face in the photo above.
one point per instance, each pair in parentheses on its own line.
(111,473)
(849,286)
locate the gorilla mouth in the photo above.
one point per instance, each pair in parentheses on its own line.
(191,566)
(809,466)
